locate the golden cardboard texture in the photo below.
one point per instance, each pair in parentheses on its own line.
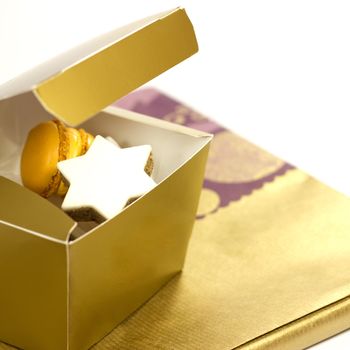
(84,89)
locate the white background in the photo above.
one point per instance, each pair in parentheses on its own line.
(277,72)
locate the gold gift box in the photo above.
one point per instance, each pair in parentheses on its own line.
(67,294)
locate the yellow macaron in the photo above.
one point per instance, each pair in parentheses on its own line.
(47,144)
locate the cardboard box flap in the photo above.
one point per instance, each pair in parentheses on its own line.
(39,216)
(76,85)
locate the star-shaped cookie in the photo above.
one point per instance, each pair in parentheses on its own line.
(105,179)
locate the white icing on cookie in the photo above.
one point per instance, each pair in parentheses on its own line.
(106,177)
(111,139)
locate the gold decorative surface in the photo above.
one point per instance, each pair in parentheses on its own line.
(233,159)
(208,203)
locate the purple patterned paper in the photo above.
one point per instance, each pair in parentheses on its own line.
(235,166)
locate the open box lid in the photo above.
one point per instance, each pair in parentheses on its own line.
(80,82)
